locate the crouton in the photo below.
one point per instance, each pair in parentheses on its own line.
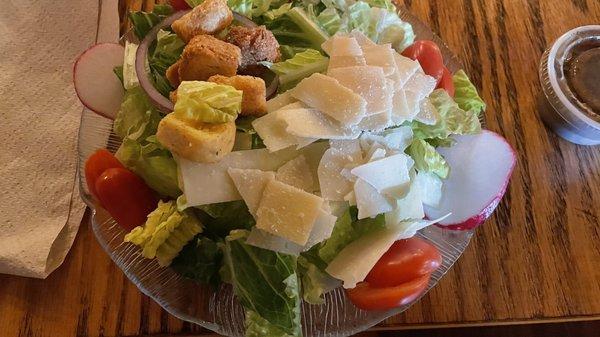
(196,141)
(209,17)
(206,56)
(172,74)
(253,98)
(257,44)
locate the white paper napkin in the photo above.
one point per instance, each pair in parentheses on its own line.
(40,207)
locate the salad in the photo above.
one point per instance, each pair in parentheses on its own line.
(289,148)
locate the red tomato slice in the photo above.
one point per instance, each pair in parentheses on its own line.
(96,164)
(405,261)
(446,82)
(125,196)
(179,5)
(367,297)
(429,56)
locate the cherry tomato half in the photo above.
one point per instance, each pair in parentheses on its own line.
(125,196)
(446,82)
(96,164)
(179,5)
(405,261)
(429,56)
(367,297)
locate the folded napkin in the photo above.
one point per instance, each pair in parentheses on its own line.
(40,207)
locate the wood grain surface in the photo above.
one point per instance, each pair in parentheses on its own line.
(537,259)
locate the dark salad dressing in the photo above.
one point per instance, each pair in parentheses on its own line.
(582,71)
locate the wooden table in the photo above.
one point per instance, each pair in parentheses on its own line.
(537,259)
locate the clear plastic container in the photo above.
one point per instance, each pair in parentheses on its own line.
(567,115)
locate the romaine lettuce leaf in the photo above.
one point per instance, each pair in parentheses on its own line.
(130,79)
(298,29)
(379,24)
(207,102)
(314,280)
(466,95)
(266,284)
(347,229)
(136,124)
(165,53)
(427,159)
(153,163)
(452,119)
(143,22)
(165,232)
(200,260)
(220,219)
(256,326)
(298,67)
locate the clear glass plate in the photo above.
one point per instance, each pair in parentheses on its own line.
(218,310)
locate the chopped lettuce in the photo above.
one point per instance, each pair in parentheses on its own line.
(315,281)
(275,13)
(136,124)
(466,95)
(165,53)
(200,260)
(296,28)
(152,162)
(130,79)
(379,24)
(207,102)
(298,67)
(165,232)
(347,229)
(266,284)
(143,22)
(427,159)
(220,219)
(330,20)
(452,119)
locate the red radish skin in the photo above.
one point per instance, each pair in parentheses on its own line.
(96,85)
(466,156)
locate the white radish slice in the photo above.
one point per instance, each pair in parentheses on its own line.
(97,86)
(481,168)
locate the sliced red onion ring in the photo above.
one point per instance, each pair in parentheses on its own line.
(163,103)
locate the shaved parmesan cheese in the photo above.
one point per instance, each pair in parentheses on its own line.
(310,123)
(428,113)
(376,152)
(355,261)
(410,207)
(204,183)
(294,105)
(304,142)
(327,95)
(297,173)
(362,39)
(344,46)
(272,131)
(288,212)
(369,202)
(368,82)
(400,109)
(350,198)
(389,175)
(345,61)
(381,56)
(322,229)
(262,239)
(250,183)
(413,102)
(279,101)
(377,122)
(421,84)
(405,68)
(396,139)
(333,185)
(431,188)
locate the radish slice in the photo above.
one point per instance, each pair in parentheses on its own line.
(95,82)
(481,166)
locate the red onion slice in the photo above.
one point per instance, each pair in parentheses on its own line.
(163,103)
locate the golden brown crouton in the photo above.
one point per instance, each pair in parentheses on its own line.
(206,56)
(209,17)
(257,44)
(196,141)
(253,98)
(172,74)
(173,96)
